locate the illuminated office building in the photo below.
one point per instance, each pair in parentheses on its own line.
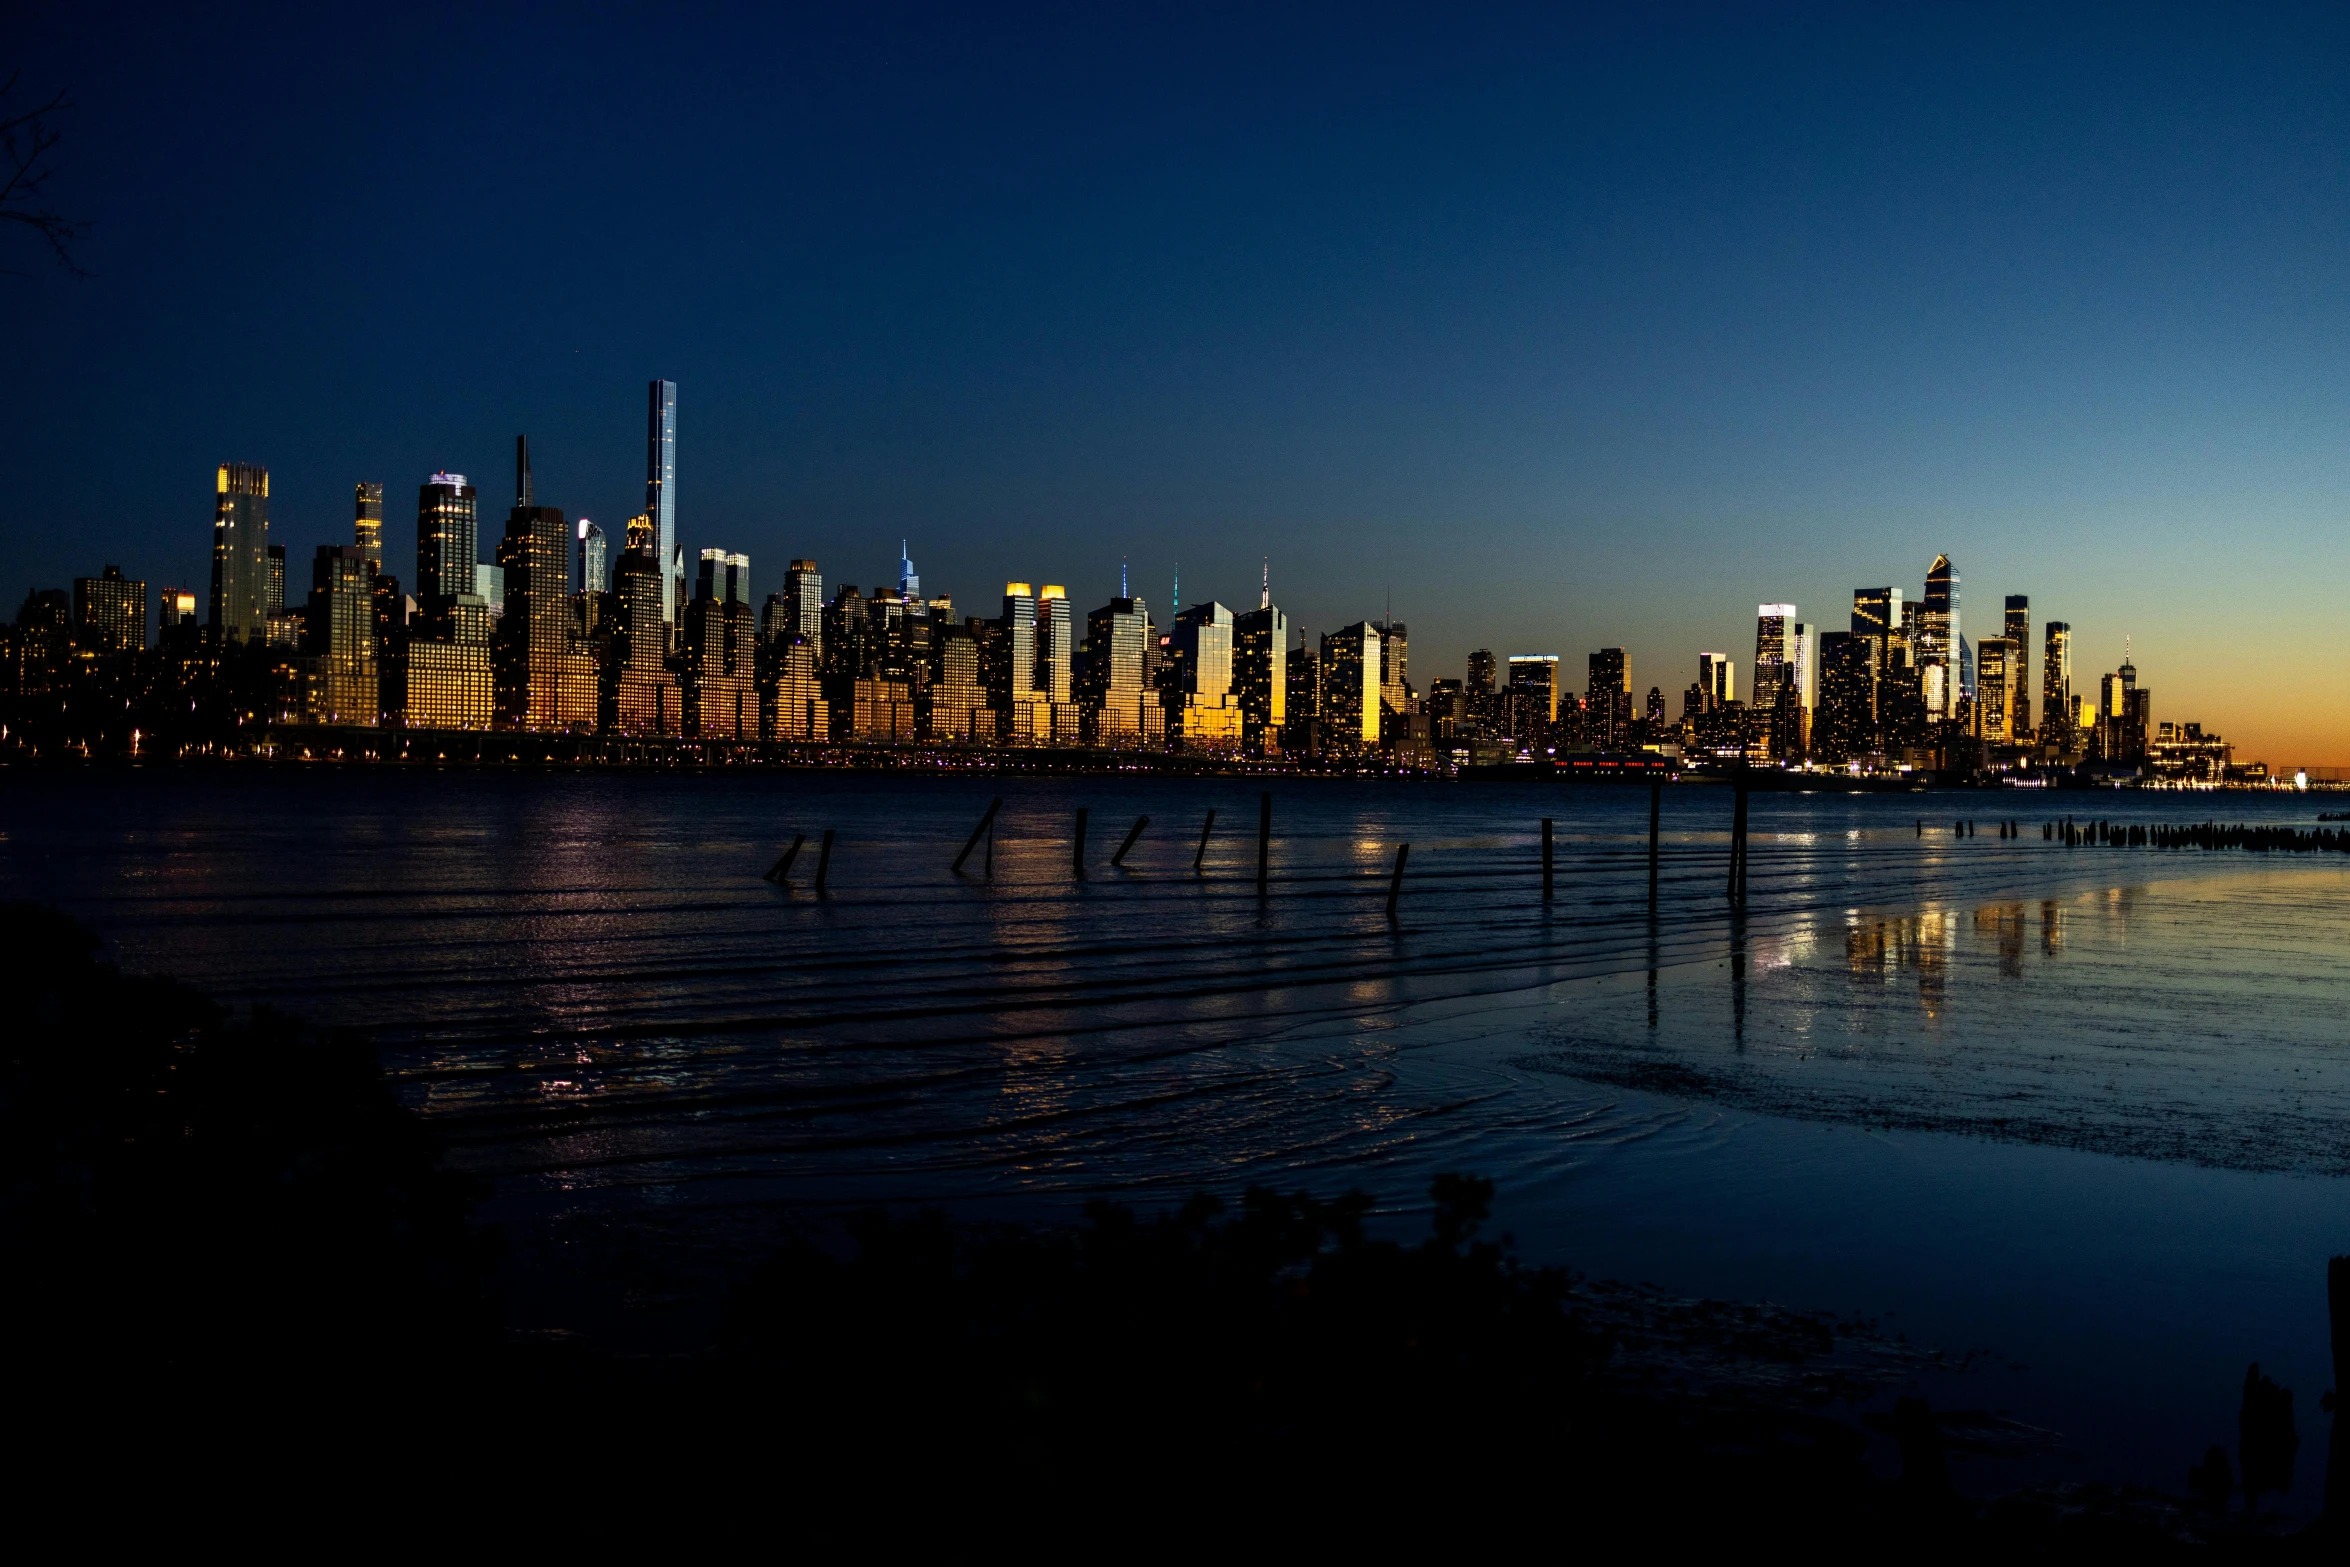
(1303,735)
(240,554)
(544,678)
(1056,655)
(447,544)
(718,658)
(1774,652)
(794,706)
(640,693)
(1203,712)
(1482,672)
(726,577)
(661,494)
(1395,687)
(1350,697)
(1260,671)
(179,627)
(448,679)
(803,597)
(1844,727)
(2018,630)
(1012,688)
(953,708)
(593,550)
(1536,675)
(1994,718)
(1116,693)
(1608,699)
(882,710)
(339,669)
(2058,725)
(1939,634)
(909,584)
(367,525)
(1717,680)
(109,613)
(1877,615)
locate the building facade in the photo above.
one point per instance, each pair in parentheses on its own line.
(240,555)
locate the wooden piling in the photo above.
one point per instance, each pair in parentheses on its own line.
(1546,859)
(1201,858)
(782,868)
(1140,822)
(1738,836)
(823,862)
(984,829)
(1403,852)
(1656,802)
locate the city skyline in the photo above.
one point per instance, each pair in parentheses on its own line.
(546,638)
(1570,337)
(1787,647)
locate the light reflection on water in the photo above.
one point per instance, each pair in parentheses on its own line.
(584,980)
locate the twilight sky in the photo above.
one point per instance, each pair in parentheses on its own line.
(1569,330)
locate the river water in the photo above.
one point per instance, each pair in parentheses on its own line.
(2087,1109)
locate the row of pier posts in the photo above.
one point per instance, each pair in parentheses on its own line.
(984,834)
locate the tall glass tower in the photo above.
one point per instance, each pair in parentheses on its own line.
(661,492)
(367,525)
(447,539)
(240,554)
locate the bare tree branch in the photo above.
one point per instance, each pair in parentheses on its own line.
(27,138)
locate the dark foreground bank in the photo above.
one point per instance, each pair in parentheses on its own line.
(231,1246)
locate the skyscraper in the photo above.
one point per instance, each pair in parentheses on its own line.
(1202,710)
(1014,691)
(448,680)
(1995,684)
(726,577)
(1876,612)
(1260,673)
(367,526)
(661,493)
(1608,714)
(1116,693)
(1395,685)
(2019,674)
(1939,634)
(544,679)
(447,544)
(803,597)
(1717,680)
(909,585)
(339,638)
(2057,724)
(639,693)
(1056,648)
(719,661)
(1350,688)
(1481,673)
(1846,726)
(109,613)
(1533,694)
(240,554)
(592,551)
(1774,652)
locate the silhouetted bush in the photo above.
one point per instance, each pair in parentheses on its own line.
(191,1198)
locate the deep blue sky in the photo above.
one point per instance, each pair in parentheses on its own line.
(1569,330)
